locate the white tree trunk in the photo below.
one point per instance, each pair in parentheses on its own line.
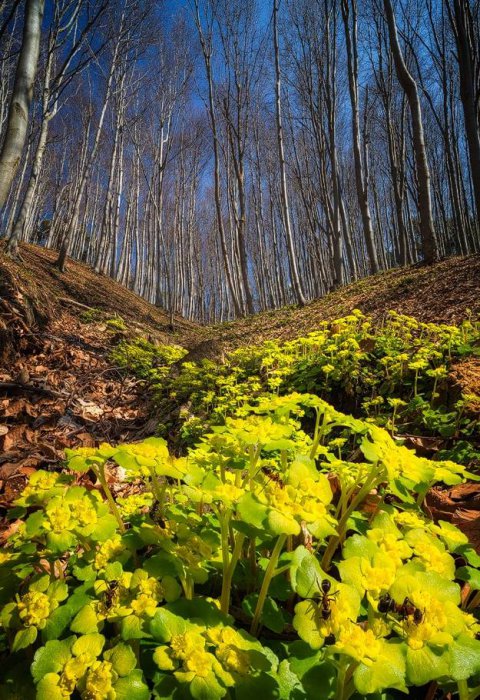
(17,122)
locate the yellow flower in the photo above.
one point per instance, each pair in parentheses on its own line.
(34,608)
(234,659)
(73,670)
(59,517)
(107,551)
(229,650)
(432,626)
(408,519)
(388,543)
(99,682)
(360,644)
(134,504)
(40,481)
(183,645)
(83,511)
(4,557)
(151,587)
(380,576)
(144,605)
(431,553)
(199,663)
(228,492)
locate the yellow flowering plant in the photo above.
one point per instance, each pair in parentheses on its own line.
(285,552)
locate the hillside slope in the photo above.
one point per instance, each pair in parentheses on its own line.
(38,293)
(58,387)
(440,293)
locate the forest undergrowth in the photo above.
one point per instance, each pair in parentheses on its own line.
(278,536)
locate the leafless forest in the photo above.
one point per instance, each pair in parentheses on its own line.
(221,157)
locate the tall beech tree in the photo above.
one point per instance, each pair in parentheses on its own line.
(21,97)
(409,86)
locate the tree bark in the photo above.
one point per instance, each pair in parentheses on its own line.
(295,277)
(465,38)
(409,86)
(360,177)
(17,121)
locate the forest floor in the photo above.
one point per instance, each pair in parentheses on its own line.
(442,293)
(58,388)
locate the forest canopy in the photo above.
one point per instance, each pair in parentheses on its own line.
(221,157)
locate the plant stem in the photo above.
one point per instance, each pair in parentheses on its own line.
(463,692)
(272,564)
(159,490)
(228,576)
(475,602)
(223,519)
(475,693)
(334,541)
(341,677)
(318,434)
(100,472)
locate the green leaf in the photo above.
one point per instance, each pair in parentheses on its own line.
(58,590)
(206,688)
(167,687)
(51,658)
(123,659)
(85,621)
(90,644)
(469,574)
(262,685)
(288,682)
(131,627)
(359,546)
(470,555)
(76,463)
(165,625)
(84,572)
(163,564)
(427,664)
(198,608)
(113,571)
(465,658)
(24,638)
(387,671)
(60,542)
(305,622)
(104,529)
(126,460)
(316,675)
(252,511)
(57,623)
(34,524)
(132,687)
(305,573)
(281,524)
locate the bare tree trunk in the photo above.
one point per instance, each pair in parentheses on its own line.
(207,55)
(467,46)
(295,277)
(66,242)
(17,121)
(409,86)
(360,177)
